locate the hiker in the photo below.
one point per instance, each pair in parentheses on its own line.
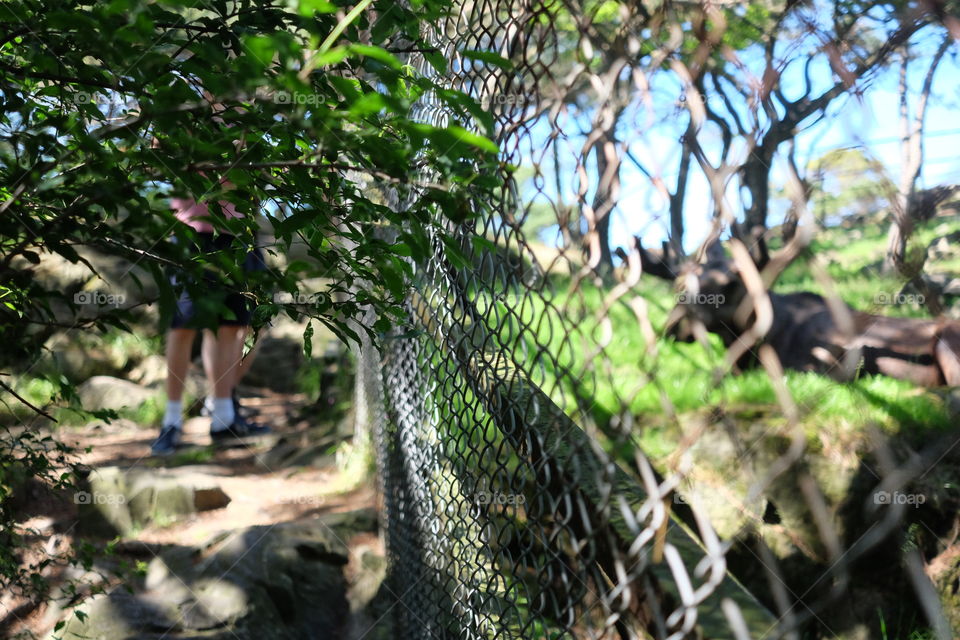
(222,349)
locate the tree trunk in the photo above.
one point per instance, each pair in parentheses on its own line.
(677,198)
(756,180)
(608,187)
(911,162)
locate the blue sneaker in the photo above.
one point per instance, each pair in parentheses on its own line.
(238,432)
(168,441)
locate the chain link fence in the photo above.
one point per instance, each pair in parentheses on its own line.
(525,494)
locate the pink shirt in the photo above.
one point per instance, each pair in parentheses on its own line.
(196,213)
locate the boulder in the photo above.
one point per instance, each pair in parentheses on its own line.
(80,356)
(719,482)
(944,247)
(107,392)
(944,573)
(118,501)
(263,582)
(151,372)
(277,362)
(730,458)
(280,354)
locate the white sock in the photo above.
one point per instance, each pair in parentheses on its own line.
(174,414)
(222,414)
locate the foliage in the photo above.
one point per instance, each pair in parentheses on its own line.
(108,108)
(26,459)
(297,110)
(847,182)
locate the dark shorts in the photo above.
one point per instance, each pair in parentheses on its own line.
(241,307)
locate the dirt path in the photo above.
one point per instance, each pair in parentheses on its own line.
(262,490)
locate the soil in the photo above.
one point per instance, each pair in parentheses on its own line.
(260,495)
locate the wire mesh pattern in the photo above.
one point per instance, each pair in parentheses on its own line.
(509,510)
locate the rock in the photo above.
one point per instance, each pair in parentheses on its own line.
(277,362)
(728,462)
(276,581)
(942,283)
(370,575)
(81,356)
(719,482)
(944,247)
(371,600)
(117,275)
(118,501)
(151,372)
(311,447)
(280,353)
(944,573)
(105,617)
(101,505)
(106,392)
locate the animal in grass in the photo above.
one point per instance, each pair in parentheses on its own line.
(804,332)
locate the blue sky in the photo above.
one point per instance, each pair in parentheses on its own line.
(870,123)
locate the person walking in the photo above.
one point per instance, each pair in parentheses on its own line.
(222,350)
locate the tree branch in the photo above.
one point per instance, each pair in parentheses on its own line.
(25,401)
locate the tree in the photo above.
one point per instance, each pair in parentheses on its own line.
(757,109)
(95,127)
(911,160)
(848,182)
(107,108)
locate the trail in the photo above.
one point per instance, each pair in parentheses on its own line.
(288,477)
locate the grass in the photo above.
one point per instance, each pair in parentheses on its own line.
(854,265)
(648,381)
(916,633)
(654,382)
(47,388)
(197,455)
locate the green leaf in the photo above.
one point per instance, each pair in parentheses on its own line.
(307,8)
(488,57)
(333,56)
(467,137)
(436,60)
(261,48)
(376,53)
(308,340)
(454,254)
(369,103)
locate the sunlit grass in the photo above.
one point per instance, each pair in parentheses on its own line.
(668,383)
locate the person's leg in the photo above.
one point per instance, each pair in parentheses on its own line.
(225,362)
(209,352)
(179,344)
(248,357)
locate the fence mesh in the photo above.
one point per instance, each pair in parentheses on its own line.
(519,500)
